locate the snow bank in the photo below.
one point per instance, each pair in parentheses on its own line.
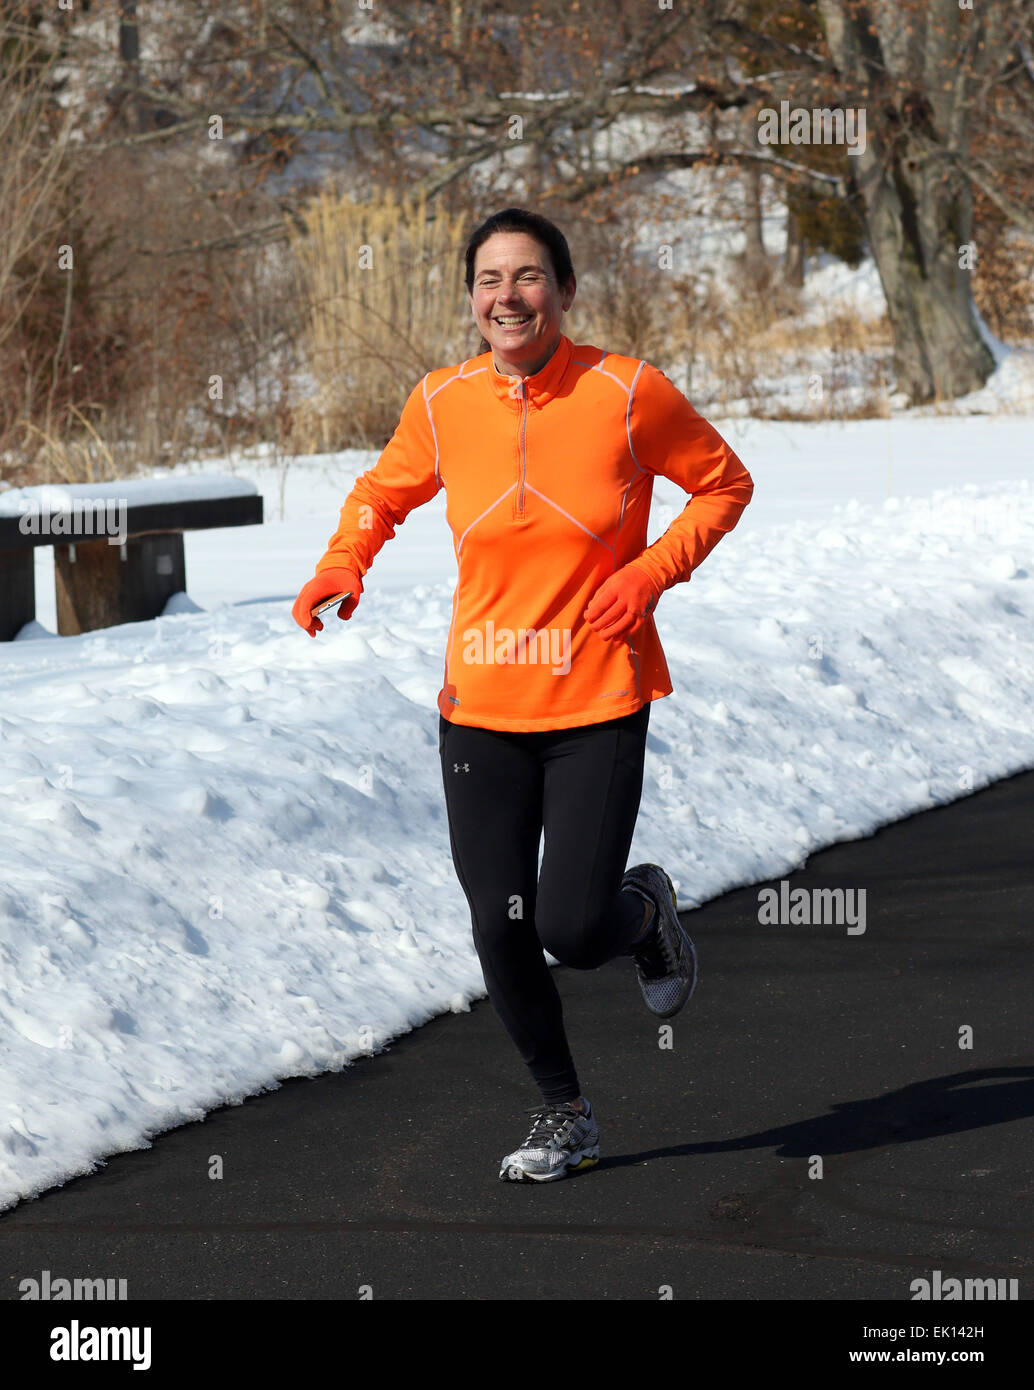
(225,857)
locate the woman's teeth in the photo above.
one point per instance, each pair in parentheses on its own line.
(513,320)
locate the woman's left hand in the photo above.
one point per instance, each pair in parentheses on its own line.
(620,606)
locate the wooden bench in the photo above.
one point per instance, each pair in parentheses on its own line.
(118,546)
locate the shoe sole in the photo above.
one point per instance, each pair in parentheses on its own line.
(513,1172)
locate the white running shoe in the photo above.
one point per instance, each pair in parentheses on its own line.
(562,1141)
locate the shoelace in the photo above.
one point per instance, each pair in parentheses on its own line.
(548,1126)
(660,957)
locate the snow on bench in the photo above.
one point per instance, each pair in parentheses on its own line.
(118,546)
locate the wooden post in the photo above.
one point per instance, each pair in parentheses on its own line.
(17,591)
(101,585)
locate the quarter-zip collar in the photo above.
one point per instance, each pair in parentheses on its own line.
(537,389)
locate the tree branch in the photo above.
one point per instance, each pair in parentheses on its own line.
(760,42)
(685,159)
(562,106)
(990,183)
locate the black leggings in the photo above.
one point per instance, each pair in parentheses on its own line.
(581,787)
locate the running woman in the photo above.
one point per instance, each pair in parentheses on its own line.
(547,450)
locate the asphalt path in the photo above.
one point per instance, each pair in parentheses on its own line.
(836,1114)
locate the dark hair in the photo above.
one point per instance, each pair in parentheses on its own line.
(520,220)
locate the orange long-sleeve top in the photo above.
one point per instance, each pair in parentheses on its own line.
(548,481)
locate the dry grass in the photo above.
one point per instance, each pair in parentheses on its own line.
(34,171)
(85,458)
(382,302)
(109,370)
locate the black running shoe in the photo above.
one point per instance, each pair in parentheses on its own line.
(666,961)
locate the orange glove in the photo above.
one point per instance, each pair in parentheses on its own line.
(326,584)
(619,607)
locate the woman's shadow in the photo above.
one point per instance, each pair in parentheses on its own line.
(923,1110)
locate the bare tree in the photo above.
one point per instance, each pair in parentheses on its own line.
(917,68)
(34,135)
(526,93)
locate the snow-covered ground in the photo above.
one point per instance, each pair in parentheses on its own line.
(225,858)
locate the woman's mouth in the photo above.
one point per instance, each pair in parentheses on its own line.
(512,320)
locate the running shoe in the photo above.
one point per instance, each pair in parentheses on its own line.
(562,1141)
(665,960)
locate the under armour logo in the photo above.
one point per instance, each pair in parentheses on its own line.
(461,767)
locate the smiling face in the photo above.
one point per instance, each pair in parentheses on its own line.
(517,303)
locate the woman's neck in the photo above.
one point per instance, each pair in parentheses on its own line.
(525,369)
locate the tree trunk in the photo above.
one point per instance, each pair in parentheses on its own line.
(919,219)
(917,198)
(129,52)
(793,258)
(755,261)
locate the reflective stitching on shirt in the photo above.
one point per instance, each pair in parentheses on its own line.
(562,512)
(628,418)
(599,367)
(466,376)
(489,508)
(452,624)
(434,432)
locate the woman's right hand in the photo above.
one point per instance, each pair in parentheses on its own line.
(325,585)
